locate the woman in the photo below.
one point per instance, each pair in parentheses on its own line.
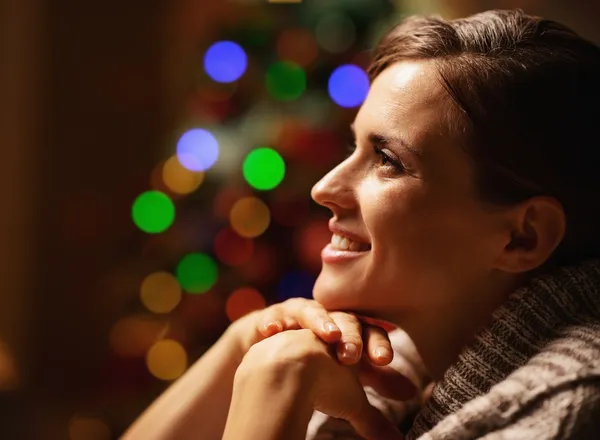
(466,215)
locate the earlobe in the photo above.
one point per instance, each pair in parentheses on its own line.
(538,227)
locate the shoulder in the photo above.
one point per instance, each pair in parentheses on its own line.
(567,407)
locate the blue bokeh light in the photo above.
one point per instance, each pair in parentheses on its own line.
(225,61)
(348,86)
(296,284)
(197,149)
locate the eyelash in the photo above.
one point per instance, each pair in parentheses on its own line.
(384,158)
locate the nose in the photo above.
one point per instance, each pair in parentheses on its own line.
(335,191)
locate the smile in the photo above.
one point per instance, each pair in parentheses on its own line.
(342,243)
(342,249)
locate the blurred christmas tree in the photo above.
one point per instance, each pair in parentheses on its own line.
(226,224)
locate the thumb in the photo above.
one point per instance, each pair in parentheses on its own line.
(371,424)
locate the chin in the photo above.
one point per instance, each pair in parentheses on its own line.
(333,294)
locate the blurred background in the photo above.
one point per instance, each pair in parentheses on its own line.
(156,163)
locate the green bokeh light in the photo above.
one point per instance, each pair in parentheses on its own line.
(197,273)
(153,212)
(285,80)
(264,168)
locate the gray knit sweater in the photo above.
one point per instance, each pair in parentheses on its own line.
(532,374)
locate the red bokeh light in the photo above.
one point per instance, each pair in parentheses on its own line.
(310,241)
(231,249)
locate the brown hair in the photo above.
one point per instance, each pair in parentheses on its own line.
(527,91)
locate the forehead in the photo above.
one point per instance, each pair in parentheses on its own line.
(406,99)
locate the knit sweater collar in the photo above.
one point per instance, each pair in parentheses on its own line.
(544,310)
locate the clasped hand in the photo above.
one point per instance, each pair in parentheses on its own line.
(332,355)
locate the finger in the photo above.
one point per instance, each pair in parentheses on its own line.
(387,382)
(350,347)
(312,316)
(271,321)
(377,345)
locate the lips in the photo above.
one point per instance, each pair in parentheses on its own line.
(345,246)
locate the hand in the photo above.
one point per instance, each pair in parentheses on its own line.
(301,358)
(342,329)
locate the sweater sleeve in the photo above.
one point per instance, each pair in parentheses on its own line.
(566,409)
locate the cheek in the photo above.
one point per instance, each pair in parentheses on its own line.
(422,241)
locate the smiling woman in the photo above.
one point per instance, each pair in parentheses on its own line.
(465,215)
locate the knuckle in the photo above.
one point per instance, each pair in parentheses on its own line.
(295,302)
(348,319)
(377,333)
(297,346)
(348,323)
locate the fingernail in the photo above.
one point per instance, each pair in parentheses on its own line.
(350,350)
(383,352)
(273,326)
(330,327)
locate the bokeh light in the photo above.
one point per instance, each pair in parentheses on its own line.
(212,105)
(311,146)
(167,359)
(258,121)
(348,86)
(310,241)
(335,32)
(297,45)
(250,217)
(202,314)
(153,212)
(264,168)
(243,301)
(197,273)
(285,80)
(225,61)
(156,180)
(178,178)
(197,149)
(262,267)
(295,284)
(226,198)
(131,336)
(9,373)
(231,249)
(290,209)
(160,292)
(88,428)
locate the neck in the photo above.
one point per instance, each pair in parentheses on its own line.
(441,333)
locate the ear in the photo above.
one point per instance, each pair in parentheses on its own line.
(536,228)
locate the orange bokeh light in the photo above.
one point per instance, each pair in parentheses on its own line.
(243,301)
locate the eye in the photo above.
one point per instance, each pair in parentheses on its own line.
(386,161)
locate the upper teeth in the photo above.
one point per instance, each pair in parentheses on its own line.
(345,244)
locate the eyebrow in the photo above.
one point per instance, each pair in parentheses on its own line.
(383,140)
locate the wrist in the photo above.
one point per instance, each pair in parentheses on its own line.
(241,335)
(271,399)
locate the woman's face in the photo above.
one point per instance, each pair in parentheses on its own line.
(407,230)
